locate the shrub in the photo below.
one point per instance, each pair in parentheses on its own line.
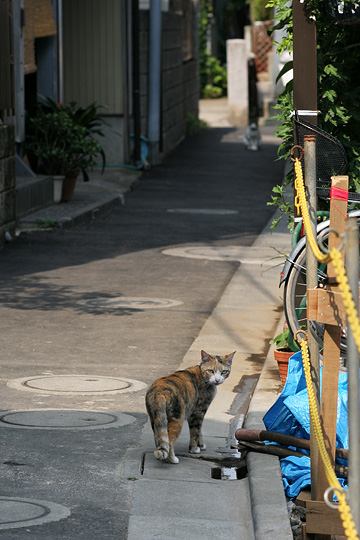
(338,50)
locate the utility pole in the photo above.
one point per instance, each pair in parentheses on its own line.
(305,65)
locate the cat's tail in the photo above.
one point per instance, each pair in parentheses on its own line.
(157,411)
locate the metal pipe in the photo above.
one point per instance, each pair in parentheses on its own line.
(136,80)
(312,283)
(18,38)
(154,78)
(281,438)
(352,267)
(60,51)
(282,452)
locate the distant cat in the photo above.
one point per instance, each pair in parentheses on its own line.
(184,394)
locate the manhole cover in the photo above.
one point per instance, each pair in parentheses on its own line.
(76,384)
(64,419)
(203,211)
(16,513)
(242,254)
(128,302)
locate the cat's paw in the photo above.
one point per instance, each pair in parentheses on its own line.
(194,450)
(202,447)
(173,459)
(161,454)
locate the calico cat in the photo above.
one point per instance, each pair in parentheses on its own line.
(185,394)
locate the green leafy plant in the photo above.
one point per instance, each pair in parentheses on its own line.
(213,79)
(46,223)
(285,341)
(61,146)
(260,11)
(89,117)
(338,54)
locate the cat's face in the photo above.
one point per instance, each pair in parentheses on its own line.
(215,369)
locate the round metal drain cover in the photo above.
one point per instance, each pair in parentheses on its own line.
(129,302)
(243,254)
(203,211)
(64,419)
(76,384)
(16,512)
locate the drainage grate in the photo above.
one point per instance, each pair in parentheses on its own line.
(16,512)
(107,304)
(229,473)
(76,384)
(61,419)
(243,254)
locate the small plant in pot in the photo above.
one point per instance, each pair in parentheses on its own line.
(285,347)
(89,117)
(61,147)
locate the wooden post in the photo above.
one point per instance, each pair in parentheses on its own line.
(326,306)
(330,375)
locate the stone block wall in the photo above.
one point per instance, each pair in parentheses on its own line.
(180,80)
(7,180)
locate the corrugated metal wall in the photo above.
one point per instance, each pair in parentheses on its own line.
(93,56)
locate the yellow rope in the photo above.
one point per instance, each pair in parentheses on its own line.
(301,195)
(344,508)
(336,258)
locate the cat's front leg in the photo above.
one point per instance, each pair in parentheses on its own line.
(196,440)
(202,445)
(196,420)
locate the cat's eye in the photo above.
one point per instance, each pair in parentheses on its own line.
(211,371)
(224,372)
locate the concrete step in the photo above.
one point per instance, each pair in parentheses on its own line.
(33,194)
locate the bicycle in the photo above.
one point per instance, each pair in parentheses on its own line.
(331,160)
(293,276)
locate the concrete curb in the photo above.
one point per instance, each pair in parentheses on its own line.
(92,201)
(268,502)
(268,505)
(91,212)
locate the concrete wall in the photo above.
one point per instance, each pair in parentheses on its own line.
(7,180)
(180,84)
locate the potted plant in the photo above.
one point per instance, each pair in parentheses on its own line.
(285,347)
(89,117)
(61,147)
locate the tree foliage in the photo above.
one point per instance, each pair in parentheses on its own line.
(213,80)
(338,54)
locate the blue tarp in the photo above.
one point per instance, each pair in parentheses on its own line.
(290,414)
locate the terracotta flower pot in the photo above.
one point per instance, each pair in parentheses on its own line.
(282,358)
(69,187)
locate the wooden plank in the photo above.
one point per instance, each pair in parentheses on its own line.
(320,519)
(331,354)
(326,307)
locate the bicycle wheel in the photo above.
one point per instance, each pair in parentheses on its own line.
(295,290)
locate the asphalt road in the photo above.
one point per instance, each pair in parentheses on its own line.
(58,317)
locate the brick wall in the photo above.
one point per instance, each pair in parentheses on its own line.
(180,84)
(7,180)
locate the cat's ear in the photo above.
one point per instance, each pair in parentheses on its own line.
(229,358)
(205,357)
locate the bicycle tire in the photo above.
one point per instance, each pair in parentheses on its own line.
(295,298)
(295,291)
